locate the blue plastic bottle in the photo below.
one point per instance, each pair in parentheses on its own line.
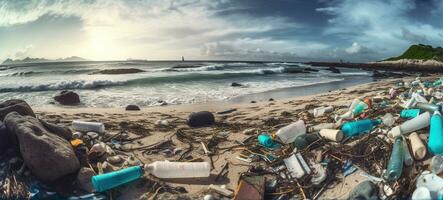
(435,143)
(358,127)
(409,113)
(395,165)
(111,180)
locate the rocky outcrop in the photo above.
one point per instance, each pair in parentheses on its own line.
(15,105)
(47,154)
(132,108)
(68,98)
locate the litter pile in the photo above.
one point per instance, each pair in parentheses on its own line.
(393,139)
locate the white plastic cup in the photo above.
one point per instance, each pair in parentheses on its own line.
(417,146)
(332,134)
(417,123)
(166,169)
(288,133)
(88,126)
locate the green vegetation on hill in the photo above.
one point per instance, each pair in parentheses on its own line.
(421,52)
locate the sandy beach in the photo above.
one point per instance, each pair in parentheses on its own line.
(263,116)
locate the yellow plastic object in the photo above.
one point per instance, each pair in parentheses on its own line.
(76,142)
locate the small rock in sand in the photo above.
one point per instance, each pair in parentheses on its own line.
(202,118)
(234,84)
(271,99)
(253,101)
(132,108)
(114,159)
(84,179)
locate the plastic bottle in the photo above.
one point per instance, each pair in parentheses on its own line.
(430,181)
(318,127)
(288,133)
(266,140)
(318,112)
(408,160)
(88,126)
(437,164)
(417,123)
(409,113)
(395,165)
(435,143)
(359,108)
(428,107)
(111,180)
(165,169)
(417,146)
(358,127)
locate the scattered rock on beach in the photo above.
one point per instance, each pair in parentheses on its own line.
(202,118)
(162,103)
(84,179)
(253,101)
(234,84)
(132,108)
(15,105)
(271,99)
(67,98)
(47,155)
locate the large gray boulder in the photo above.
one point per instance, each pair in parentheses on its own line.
(15,105)
(47,154)
(67,98)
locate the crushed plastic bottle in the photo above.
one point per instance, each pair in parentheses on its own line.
(289,133)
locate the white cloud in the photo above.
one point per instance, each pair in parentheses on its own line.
(23,53)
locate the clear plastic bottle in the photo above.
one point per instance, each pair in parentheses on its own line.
(359,108)
(289,133)
(437,164)
(358,127)
(166,169)
(88,126)
(395,165)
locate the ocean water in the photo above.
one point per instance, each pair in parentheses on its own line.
(173,82)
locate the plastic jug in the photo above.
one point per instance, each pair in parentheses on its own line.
(358,127)
(417,146)
(111,180)
(88,126)
(435,143)
(395,165)
(409,113)
(288,133)
(166,169)
(417,123)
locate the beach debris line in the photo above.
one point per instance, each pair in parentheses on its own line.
(387,139)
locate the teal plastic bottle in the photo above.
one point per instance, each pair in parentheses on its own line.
(435,143)
(359,108)
(358,127)
(409,113)
(111,180)
(395,165)
(428,107)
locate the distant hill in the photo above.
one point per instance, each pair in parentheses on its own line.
(42,60)
(421,52)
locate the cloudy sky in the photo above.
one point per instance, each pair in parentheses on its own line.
(292,30)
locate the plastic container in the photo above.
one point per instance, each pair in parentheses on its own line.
(294,167)
(166,169)
(437,164)
(408,160)
(321,126)
(435,143)
(288,133)
(409,113)
(430,181)
(359,108)
(358,127)
(318,112)
(266,141)
(395,165)
(111,180)
(421,193)
(332,134)
(417,146)
(428,107)
(388,119)
(88,126)
(417,123)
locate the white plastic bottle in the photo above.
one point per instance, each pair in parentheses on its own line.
(88,126)
(414,124)
(166,169)
(288,133)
